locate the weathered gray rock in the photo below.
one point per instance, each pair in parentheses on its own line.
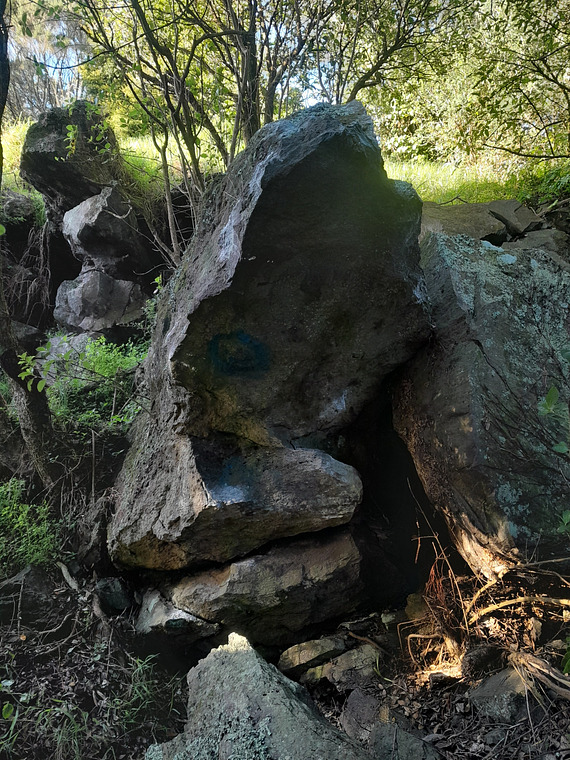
(350,670)
(300,292)
(360,713)
(388,740)
(102,232)
(473,219)
(501,697)
(468,408)
(271,596)
(241,708)
(300,657)
(216,505)
(95,302)
(70,154)
(158,615)
(549,239)
(518,218)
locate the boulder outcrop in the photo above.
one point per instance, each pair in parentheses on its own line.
(215,505)
(70,154)
(94,243)
(273,595)
(242,707)
(103,234)
(300,292)
(472,407)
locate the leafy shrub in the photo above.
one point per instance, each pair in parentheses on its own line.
(28,533)
(94,388)
(543,182)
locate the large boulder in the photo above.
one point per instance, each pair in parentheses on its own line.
(238,502)
(95,302)
(103,233)
(70,154)
(472,407)
(272,596)
(300,292)
(241,707)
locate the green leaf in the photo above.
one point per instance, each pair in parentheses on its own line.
(7,710)
(552,396)
(41,385)
(565,354)
(2,229)
(561,448)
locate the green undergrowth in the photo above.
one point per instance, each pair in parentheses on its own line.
(94,388)
(531,182)
(88,706)
(28,532)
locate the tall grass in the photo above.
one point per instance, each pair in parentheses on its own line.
(474,183)
(13,135)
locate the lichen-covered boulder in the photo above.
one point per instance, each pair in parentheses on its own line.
(474,407)
(241,707)
(300,292)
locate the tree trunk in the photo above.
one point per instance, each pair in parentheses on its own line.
(32,408)
(250,102)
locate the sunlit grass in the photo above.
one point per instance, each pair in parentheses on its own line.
(475,183)
(13,136)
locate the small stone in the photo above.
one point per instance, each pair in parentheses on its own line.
(114,595)
(348,671)
(299,658)
(500,697)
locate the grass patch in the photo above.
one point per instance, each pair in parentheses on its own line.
(441,183)
(489,179)
(28,532)
(13,136)
(94,388)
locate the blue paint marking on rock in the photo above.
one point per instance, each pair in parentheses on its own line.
(238,353)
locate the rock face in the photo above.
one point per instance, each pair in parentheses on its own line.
(291,587)
(241,707)
(211,506)
(300,293)
(469,405)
